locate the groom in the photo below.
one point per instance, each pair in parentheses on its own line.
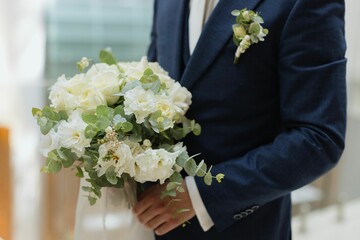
(271,123)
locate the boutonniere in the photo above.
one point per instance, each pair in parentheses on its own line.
(247,30)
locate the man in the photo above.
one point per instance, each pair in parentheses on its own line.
(272,123)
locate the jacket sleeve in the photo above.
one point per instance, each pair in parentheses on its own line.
(311,72)
(152,56)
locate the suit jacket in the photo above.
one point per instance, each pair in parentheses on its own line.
(271,123)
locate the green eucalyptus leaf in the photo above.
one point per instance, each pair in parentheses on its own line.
(235,12)
(182,158)
(46,128)
(90,119)
(54,166)
(190,167)
(176,177)
(126,127)
(111,175)
(102,123)
(197,129)
(258,19)
(36,112)
(201,169)
(182,210)
(208,178)
(102,111)
(180,189)
(68,157)
(254,38)
(154,86)
(130,85)
(63,115)
(91,131)
(97,191)
(92,200)
(107,57)
(86,189)
(254,28)
(119,110)
(79,173)
(42,121)
(164,194)
(50,113)
(171,186)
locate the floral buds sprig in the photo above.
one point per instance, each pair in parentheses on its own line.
(247,30)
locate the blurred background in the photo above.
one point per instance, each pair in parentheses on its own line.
(42,39)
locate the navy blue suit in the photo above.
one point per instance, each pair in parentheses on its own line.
(271,123)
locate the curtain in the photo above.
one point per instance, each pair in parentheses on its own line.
(352,18)
(21,68)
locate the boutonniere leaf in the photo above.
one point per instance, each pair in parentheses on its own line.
(247,30)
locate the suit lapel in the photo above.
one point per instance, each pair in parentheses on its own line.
(173,13)
(216,33)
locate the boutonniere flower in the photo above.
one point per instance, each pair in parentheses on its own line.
(247,30)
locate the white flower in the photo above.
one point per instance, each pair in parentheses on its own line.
(166,106)
(49,142)
(154,165)
(75,93)
(83,63)
(261,34)
(90,98)
(101,67)
(121,158)
(60,97)
(134,70)
(139,102)
(72,134)
(180,96)
(135,147)
(106,79)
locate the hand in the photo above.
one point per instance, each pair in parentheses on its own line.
(163,215)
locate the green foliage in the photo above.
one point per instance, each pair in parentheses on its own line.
(111,175)
(111,122)
(107,57)
(47,118)
(150,81)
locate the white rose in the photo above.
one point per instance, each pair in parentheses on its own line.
(157,69)
(139,102)
(121,158)
(90,98)
(106,80)
(101,67)
(154,165)
(180,96)
(166,106)
(49,142)
(72,134)
(61,99)
(76,84)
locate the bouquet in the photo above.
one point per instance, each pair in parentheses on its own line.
(120,123)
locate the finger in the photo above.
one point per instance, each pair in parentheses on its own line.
(157,210)
(156,222)
(142,205)
(167,227)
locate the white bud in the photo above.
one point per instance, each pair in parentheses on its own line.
(147,143)
(108,130)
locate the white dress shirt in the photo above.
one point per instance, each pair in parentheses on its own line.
(200,10)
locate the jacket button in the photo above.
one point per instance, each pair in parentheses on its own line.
(237,217)
(254,208)
(244,214)
(249,211)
